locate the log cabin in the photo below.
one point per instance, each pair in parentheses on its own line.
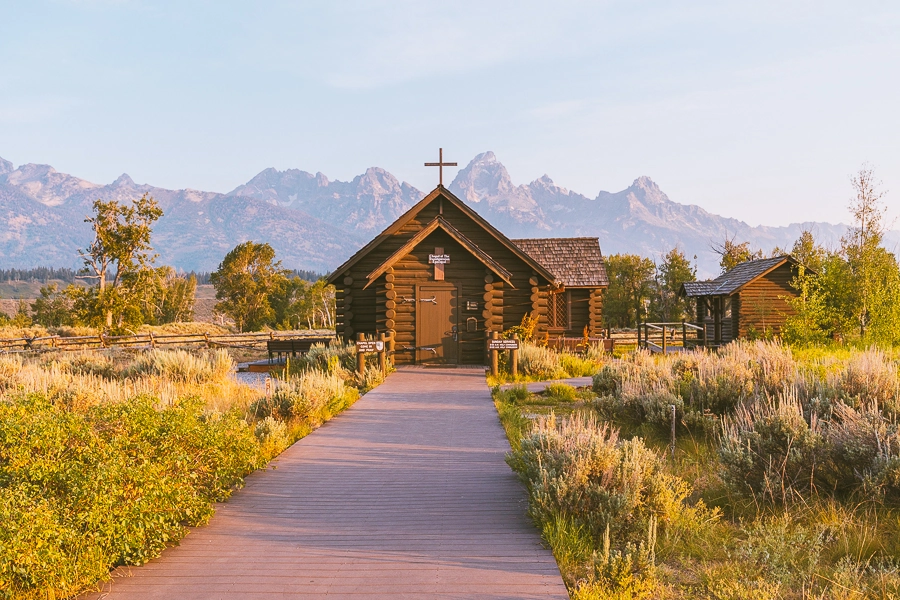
(440,279)
(749,300)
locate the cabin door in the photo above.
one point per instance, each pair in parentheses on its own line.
(437,327)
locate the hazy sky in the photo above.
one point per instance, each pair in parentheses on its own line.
(757,110)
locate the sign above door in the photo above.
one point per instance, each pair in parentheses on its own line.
(438,259)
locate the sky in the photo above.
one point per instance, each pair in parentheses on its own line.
(755,110)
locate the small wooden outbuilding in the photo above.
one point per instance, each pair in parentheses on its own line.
(441,278)
(750,299)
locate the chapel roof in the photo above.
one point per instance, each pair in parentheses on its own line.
(576,262)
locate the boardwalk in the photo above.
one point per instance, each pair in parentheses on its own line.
(405,495)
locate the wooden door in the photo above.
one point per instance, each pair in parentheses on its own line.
(437,327)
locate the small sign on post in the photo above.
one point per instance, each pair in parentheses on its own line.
(503,344)
(370,345)
(438,259)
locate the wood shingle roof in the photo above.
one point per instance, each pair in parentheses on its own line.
(732,281)
(576,262)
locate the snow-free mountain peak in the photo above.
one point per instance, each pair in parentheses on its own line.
(367,204)
(6,166)
(46,185)
(124,180)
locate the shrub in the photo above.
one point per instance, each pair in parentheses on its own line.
(514,394)
(580,470)
(722,383)
(781,549)
(337,355)
(560,392)
(608,381)
(313,396)
(577,366)
(273,437)
(769,449)
(540,362)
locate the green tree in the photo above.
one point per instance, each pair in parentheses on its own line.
(53,308)
(165,296)
(630,284)
(810,254)
(119,259)
(290,302)
(732,254)
(246,280)
(861,246)
(321,305)
(179,298)
(811,323)
(674,270)
(300,303)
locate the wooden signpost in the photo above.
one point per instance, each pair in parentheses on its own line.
(364,346)
(495,345)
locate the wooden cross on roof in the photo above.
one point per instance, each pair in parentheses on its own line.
(440,164)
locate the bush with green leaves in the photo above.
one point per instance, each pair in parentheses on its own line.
(560,392)
(81,492)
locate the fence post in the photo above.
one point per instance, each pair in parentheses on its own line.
(514,359)
(382,355)
(360,358)
(495,363)
(705,338)
(673,431)
(683,334)
(664,339)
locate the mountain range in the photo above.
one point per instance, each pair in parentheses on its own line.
(315,223)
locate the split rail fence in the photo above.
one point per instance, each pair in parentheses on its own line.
(147,340)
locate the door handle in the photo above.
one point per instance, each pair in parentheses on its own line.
(455,331)
(433,299)
(432,350)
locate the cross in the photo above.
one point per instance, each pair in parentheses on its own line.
(440,164)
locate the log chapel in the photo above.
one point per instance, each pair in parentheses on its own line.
(441,278)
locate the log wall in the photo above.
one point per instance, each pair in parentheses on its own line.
(763,305)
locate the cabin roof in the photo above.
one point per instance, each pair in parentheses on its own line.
(732,281)
(462,206)
(576,262)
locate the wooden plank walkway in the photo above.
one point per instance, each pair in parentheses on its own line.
(406,495)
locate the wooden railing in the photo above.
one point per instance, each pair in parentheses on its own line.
(663,337)
(148,340)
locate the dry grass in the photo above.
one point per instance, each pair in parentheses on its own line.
(89,378)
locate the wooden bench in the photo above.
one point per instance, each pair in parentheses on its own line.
(294,346)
